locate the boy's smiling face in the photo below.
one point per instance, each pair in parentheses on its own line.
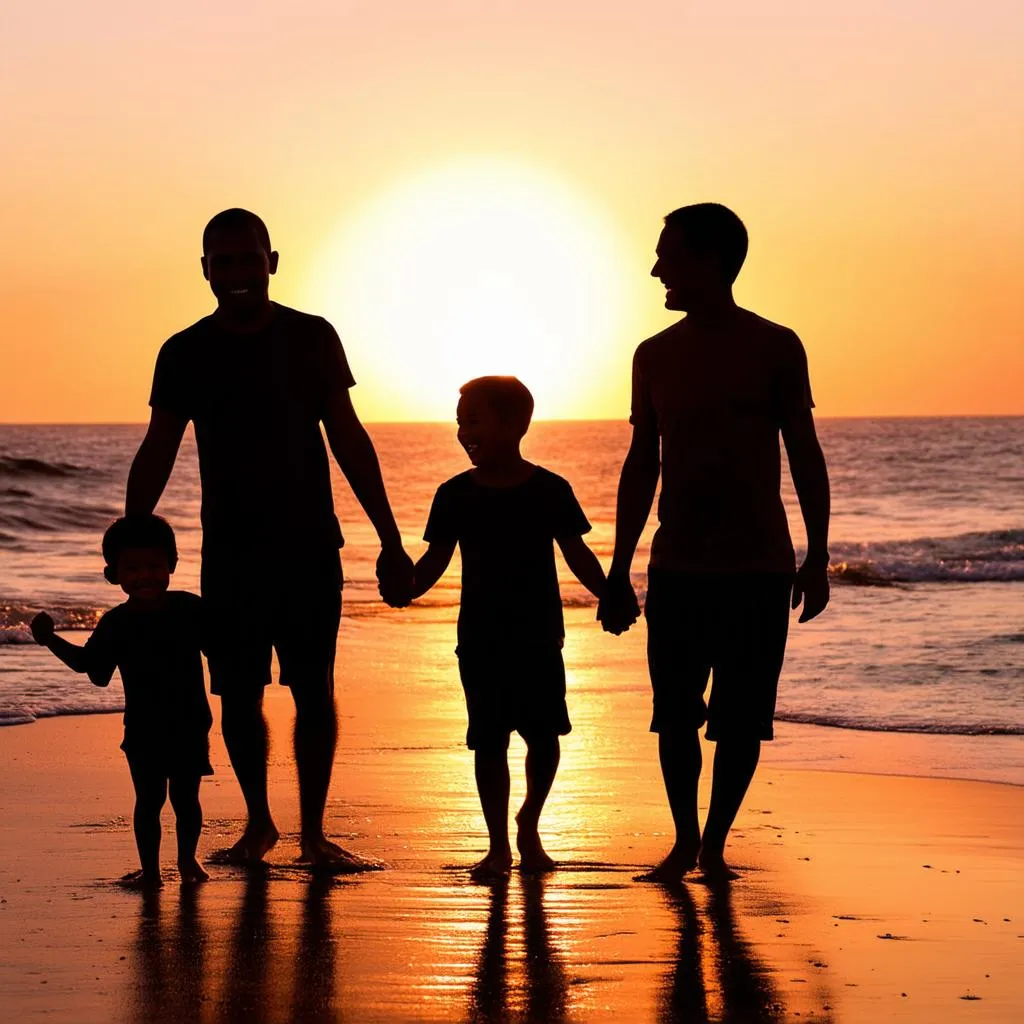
(144,574)
(489,439)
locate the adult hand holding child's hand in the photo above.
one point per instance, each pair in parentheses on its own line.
(395,577)
(42,628)
(618,608)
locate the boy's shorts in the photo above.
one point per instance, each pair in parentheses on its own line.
(732,626)
(513,690)
(293,608)
(156,759)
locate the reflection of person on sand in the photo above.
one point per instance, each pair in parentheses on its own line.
(744,984)
(505,514)
(156,639)
(542,991)
(257,380)
(710,397)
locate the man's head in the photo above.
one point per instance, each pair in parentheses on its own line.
(140,554)
(494,414)
(238,261)
(699,255)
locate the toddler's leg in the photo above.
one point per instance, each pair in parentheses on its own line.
(492,783)
(150,794)
(188,823)
(542,756)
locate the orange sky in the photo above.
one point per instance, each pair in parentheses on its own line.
(875,151)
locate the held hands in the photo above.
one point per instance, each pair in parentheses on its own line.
(395,577)
(618,608)
(811,586)
(42,629)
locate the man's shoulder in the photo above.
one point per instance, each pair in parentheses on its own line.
(297,321)
(657,342)
(767,332)
(191,335)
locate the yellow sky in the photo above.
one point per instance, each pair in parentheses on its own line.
(875,151)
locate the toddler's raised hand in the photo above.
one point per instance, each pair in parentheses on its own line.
(42,628)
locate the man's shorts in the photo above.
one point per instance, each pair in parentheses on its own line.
(252,608)
(519,690)
(730,626)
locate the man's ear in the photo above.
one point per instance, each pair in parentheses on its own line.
(206,268)
(272,262)
(110,574)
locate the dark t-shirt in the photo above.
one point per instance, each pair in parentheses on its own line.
(506,537)
(257,401)
(718,404)
(158,653)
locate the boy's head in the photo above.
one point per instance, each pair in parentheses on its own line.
(238,260)
(700,253)
(140,554)
(493,415)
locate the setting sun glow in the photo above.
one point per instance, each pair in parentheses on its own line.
(476,267)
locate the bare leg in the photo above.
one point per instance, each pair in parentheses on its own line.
(492,783)
(316,737)
(680,768)
(735,762)
(542,757)
(150,794)
(188,823)
(245,735)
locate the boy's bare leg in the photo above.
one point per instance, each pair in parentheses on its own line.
(735,762)
(542,757)
(492,783)
(245,736)
(188,823)
(150,794)
(680,768)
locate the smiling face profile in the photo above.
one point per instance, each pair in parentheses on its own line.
(493,415)
(688,276)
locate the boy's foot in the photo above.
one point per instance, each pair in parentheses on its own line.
(533,858)
(141,880)
(679,861)
(256,842)
(494,866)
(320,853)
(192,873)
(713,869)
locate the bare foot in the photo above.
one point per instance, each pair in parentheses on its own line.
(192,873)
(141,880)
(256,842)
(533,858)
(713,869)
(496,865)
(321,854)
(679,861)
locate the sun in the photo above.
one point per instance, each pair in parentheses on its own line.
(480,266)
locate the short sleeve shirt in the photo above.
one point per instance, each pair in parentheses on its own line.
(506,538)
(158,652)
(257,400)
(718,406)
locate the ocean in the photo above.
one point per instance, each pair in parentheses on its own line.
(925,632)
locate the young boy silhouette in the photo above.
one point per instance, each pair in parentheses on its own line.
(155,638)
(505,515)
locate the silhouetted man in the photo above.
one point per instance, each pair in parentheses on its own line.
(710,396)
(257,379)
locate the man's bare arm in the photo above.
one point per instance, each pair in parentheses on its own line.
(357,459)
(153,462)
(810,478)
(637,485)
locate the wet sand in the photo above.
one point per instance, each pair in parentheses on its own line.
(862,897)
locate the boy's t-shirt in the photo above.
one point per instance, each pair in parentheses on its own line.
(166,712)
(506,537)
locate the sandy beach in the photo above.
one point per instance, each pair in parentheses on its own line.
(862,897)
